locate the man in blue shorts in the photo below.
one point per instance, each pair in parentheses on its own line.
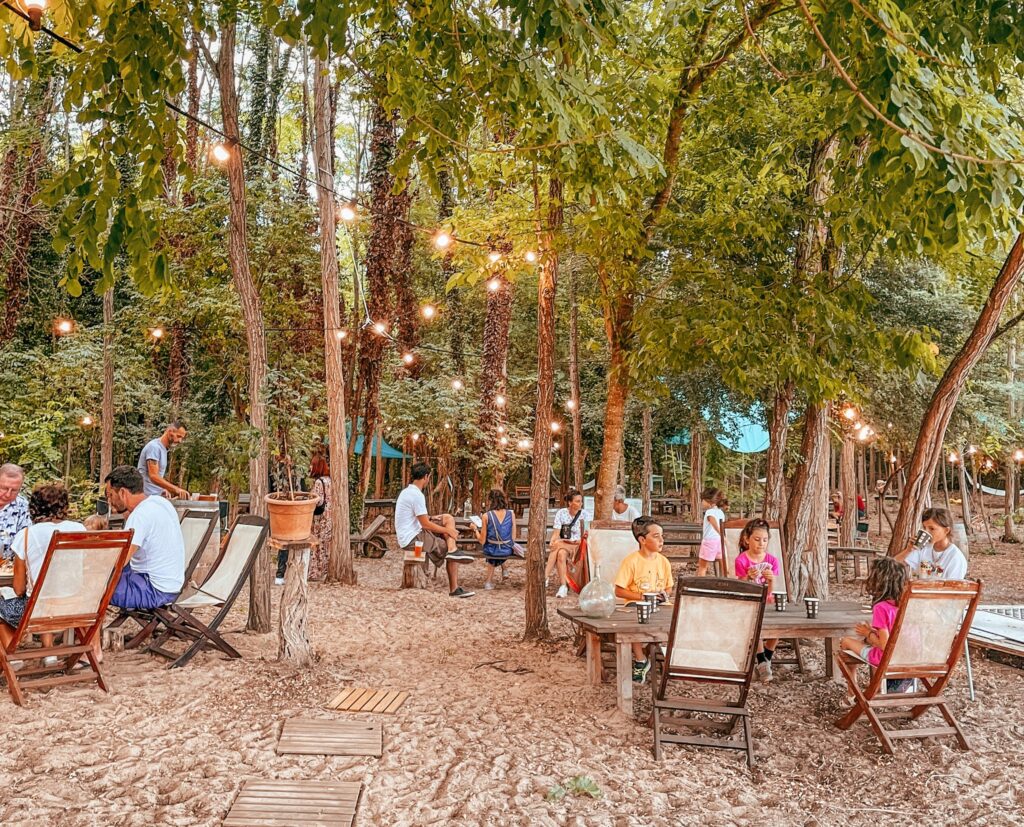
(156,568)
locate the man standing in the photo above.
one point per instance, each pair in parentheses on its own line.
(438,534)
(156,567)
(13,507)
(153,463)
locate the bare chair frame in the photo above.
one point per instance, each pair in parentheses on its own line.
(902,660)
(666,710)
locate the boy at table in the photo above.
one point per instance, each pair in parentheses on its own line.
(645,571)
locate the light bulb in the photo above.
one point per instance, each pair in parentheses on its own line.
(570,404)
(850,412)
(35,14)
(408,358)
(503,441)
(380,328)
(457,385)
(447,427)
(953,458)
(971,450)
(220,153)
(858,426)
(442,241)
(348,212)
(428,311)
(1018,455)
(556,427)
(62,327)
(494,285)
(555,446)
(501,429)
(157,332)
(494,256)
(340,334)
(415,437)
(87,421)
(530,256)
(499,401)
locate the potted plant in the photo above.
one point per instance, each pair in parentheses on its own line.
(290,509)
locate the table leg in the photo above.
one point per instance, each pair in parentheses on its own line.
(624,677)
(593,658)
(830,660)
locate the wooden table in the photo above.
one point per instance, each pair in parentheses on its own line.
(835,619)
(292,642)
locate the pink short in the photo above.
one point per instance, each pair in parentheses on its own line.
(710,550)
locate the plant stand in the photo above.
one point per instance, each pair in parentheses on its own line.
(292,642)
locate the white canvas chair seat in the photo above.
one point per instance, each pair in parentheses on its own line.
(716,624)
(608,544)
(77,577)
(925,644)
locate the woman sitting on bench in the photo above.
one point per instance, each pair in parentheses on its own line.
(497,535)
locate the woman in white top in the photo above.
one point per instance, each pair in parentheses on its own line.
(937,558)
(48,508)
(565,539)
(711,540)
(622,512)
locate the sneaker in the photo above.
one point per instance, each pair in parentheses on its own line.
(488,586)
(278,581)
(50,661)
(563,591)
(461,592)
(460,556)
(640,670)
(764,672)
(504,574)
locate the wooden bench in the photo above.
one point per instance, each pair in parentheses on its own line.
(369,542)
(852,554)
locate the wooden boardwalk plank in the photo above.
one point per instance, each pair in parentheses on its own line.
(269,803)
(308,736)
(381,701)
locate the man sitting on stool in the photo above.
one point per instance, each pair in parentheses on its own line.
(438,534)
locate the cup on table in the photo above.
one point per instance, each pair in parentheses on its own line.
(922,538)
(418,549)
(652,598)
(643,611)
(811,604)
(780,601)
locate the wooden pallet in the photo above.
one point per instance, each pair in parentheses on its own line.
(367,700)
(312,736)
(294,803)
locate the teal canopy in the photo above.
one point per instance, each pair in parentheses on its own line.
(745,433)
(387,451)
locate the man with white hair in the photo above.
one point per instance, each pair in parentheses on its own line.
(622,512)
(13,507)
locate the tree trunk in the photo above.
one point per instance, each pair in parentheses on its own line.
(648,465)
(547,283)
(775,472)
(252,317)
(806,530)
(107,406)
(177,367)
(618,315)
(340,563)
(494,375)
(1010,500)
(697,467)
(947,392)
(848,487)
(576,411)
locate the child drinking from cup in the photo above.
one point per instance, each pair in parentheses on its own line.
(886,581)
(645,571)
(755,564)
(935,556)
(711,541)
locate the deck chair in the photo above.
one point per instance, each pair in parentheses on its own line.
(733,529)
(219,590)
(608,543)
(369,543)
(196,528)
(925,643)
(77,578)
(716,624)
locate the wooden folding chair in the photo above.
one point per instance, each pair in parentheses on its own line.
(219,591)
(925,643)
(716,624)
(77,578)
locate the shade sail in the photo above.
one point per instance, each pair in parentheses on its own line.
(745,433)
(387,451)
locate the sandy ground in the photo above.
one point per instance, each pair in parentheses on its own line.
(492,723)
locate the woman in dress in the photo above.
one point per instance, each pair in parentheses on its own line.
(496,535)
(323,527)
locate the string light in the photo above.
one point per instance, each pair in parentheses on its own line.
(428,311)
(348,212)
(971,450)
(850,412)
(494,256)
(953,458)
(86,421)
(503,441)
(157,333)
(63,327)
(858,426)
(1018,455)
(555,446)
(530,256)
(499,401)
(989,465)
(556,427)
(442,241)
(494,285)
(415,437)
(380,328)
(570,404)
(501,429)
(457,385)
(447,427)
(220,153)
(864,433)
(35,10)
(408,358)
(340,334)
(523,444)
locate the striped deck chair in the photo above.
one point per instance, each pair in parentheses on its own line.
(77,578)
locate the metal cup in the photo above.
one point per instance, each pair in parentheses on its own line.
(922,538)
(811,604)
(652,598)
(780,601)
(643,611)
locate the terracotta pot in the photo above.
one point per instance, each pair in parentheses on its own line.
(291,519)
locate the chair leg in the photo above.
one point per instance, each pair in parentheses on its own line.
(12,680)
(657,735)
(748,737)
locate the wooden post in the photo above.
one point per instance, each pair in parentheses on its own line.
(293,643)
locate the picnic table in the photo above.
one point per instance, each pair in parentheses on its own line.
(669,506)
(835,619)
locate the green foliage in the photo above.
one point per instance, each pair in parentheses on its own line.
(577,785)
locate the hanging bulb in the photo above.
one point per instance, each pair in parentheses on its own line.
(499,401)
(501,429)
(340,334)
(530,256)
(62,327)
(220,153)
(1018,455)
(971,450)
(442,240)
(503,441)
(408,358)
(494,285)
(157,333)
(415,437)
(953,458)
(35,10)
(380,328)
(555,446)
(556,427)
(494,256)
(570,404)
(457,385)
(447,427)
(850,412)
(348,212)
(428,311)
(86,421)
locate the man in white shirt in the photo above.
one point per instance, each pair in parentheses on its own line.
(622,512)
(438,534)
(156,567)
(153,463)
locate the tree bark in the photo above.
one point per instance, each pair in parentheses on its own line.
(252,316)
(806,530)
(936,418)
(293,642)
(1010,500)
(340,563)
(494,375)
(107,405)
(648,465)
(697,466)
(576,412)
(547,283)
(775,473)
(848,487)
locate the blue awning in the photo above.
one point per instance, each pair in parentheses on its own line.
(387,451)
(745,433)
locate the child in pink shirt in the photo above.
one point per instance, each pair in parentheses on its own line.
(886,582)
(755,564)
